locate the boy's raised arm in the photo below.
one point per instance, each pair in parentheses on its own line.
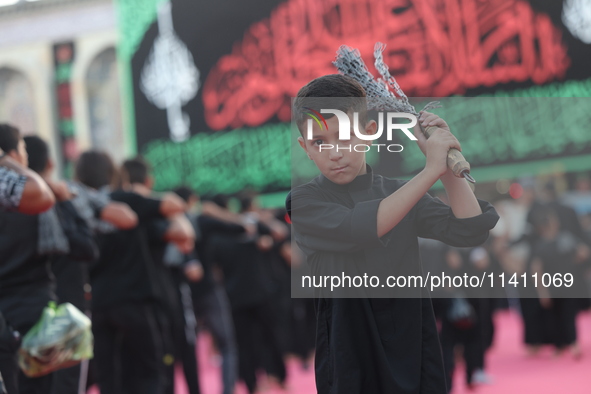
(461,198)
(468,222)
(394,207)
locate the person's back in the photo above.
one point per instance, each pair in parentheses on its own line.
(209,297)
(24,191)
(24,275)
(127,268)
(73,281)
(124,293)
(239,259)
(124,271)
(128,348)
(26,281)
(25,278)
(72,278)
(247,285)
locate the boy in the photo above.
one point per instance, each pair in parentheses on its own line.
(349,216)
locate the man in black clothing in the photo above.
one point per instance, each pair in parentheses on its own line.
(71,274)
(26,245)
(185,334)
(210,299)
(272,234)
(177,230)
(249,290)
(23,191)
(128,347)
(569,222)
(197,287)
(466,330)
(349,217)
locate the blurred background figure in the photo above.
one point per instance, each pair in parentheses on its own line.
(176,229)
(241,258)
(30,243)
(557,251)
(24,191)
(71,270)
(129,347)
(210,301)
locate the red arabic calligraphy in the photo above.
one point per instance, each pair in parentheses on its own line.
(435,48)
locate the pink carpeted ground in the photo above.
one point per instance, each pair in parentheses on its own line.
(516,373)
(513,372)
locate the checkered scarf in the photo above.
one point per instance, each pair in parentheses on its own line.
(12,186)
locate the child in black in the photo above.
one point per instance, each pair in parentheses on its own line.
(351,217)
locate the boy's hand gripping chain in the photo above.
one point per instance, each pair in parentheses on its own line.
(455,160)
(381,98)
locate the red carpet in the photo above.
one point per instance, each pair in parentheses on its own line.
(512,370)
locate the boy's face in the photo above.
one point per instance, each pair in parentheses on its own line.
(340,166)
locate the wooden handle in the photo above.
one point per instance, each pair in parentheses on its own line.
(455,160)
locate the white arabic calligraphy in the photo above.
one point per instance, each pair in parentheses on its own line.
(170,78)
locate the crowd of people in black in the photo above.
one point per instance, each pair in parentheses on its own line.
(152,269)
(148,269)
(538,233)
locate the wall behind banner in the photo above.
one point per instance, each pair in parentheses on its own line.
(72,103)
(223,73)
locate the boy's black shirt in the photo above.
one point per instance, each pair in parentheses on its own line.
(375,345)
(125,270)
